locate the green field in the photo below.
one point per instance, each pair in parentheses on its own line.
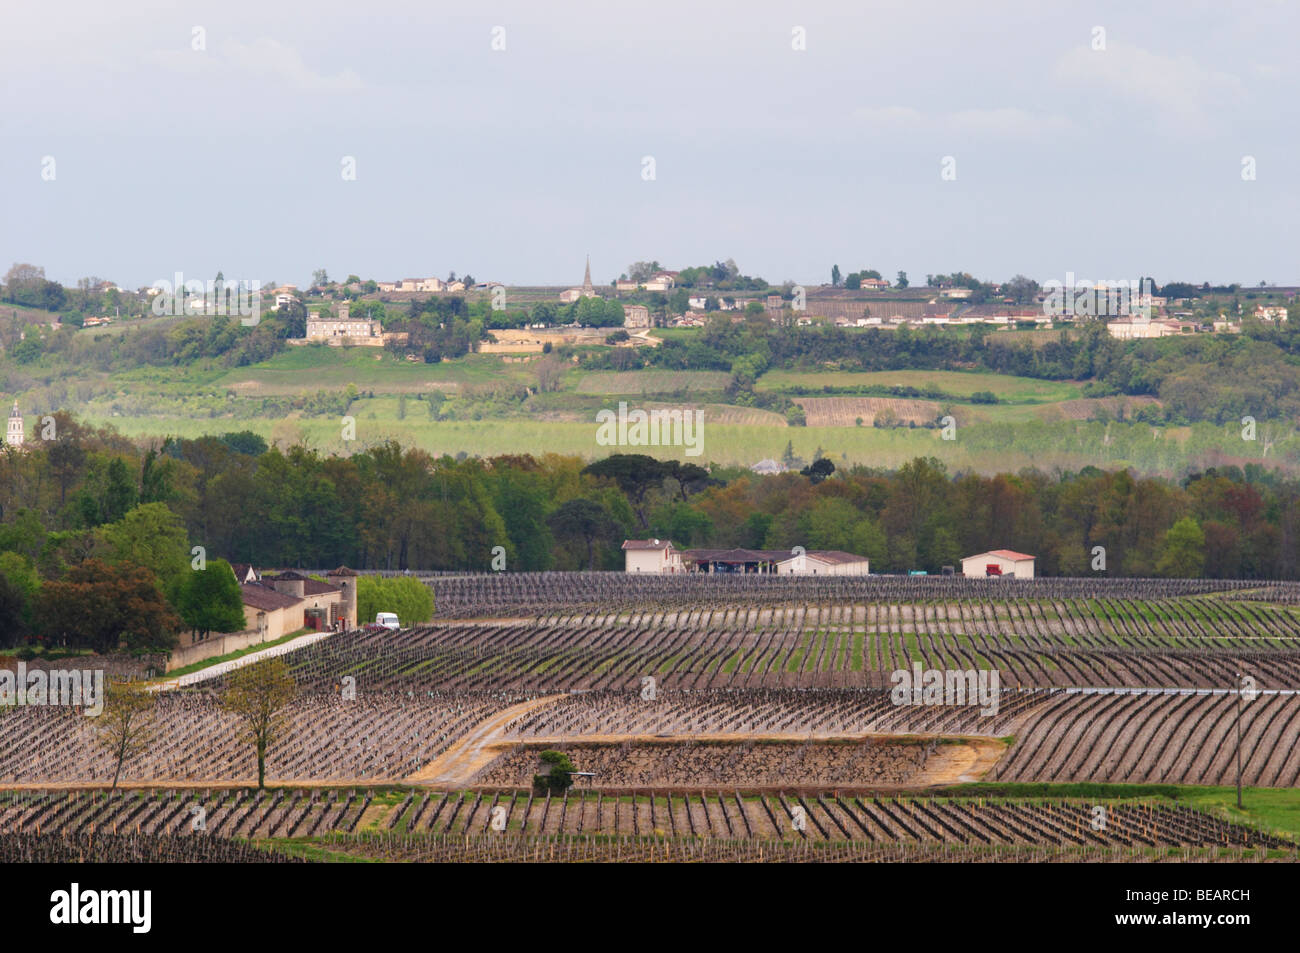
(312,368)
(482,405)
(957,383)
(983,447)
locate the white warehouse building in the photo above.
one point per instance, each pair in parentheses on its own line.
(999,562)
(824,562)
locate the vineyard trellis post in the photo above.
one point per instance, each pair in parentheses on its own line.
(1240,682)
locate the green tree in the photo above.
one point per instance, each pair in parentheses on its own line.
(830,524)
(20,587)
(818,470)
(1182,553)
(156,478)
(582,521)
(119,493)
(15,609)
(635,473)
(868,539)
(24,534)
(410,598)
(519,494)
(150,535)
(683,524)
(835,275)
(209,599)
(557,774)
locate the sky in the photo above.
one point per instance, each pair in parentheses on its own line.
(507,140)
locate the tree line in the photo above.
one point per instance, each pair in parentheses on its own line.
(92,522)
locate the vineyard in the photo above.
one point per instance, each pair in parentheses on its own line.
(715,718)
(488,595)
(370,739)
(847,411)
(728,815)
(1086,408)
(1060,643)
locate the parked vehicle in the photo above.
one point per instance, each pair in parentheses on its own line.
(387,620)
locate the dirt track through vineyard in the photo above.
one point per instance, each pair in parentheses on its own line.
(473,751)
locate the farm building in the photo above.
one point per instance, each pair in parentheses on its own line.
(651,555)
(824,562)
(785,562)
(734,560)
(999,562)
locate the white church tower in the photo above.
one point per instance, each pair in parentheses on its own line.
(14,433)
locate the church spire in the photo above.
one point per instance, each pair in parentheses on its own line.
(14,433)
(587,290)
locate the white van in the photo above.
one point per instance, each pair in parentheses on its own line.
(388,620)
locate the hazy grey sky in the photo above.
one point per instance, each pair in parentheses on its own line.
(513,164)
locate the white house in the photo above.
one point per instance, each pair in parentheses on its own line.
(651,555)
(999,562)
